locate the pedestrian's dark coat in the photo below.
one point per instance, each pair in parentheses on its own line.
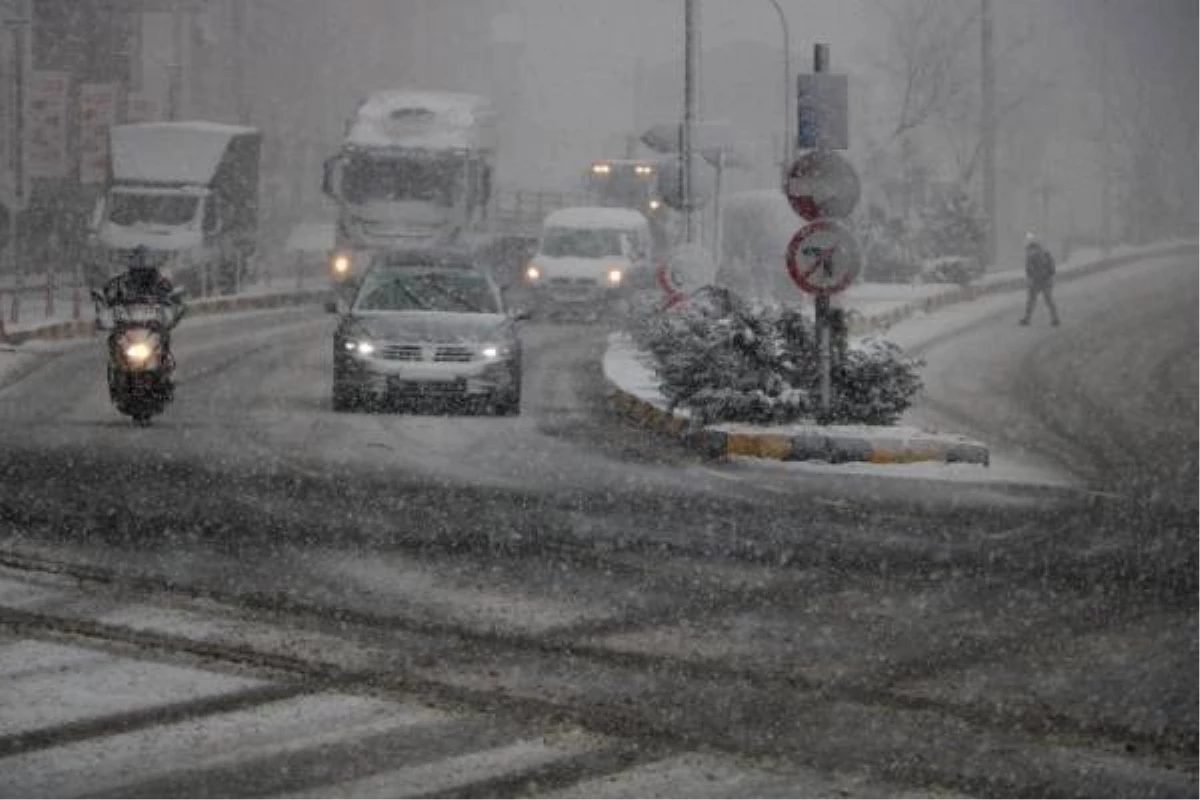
(1039,265)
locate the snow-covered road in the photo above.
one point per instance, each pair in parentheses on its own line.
(560,565)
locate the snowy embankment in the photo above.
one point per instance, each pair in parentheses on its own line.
(634,385)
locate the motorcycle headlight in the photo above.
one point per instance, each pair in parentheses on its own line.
(138,351)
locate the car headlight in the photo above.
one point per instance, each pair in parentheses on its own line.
(533,273)
(340,264)
(363,348)
(615,276)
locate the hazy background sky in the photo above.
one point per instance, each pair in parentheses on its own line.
(574,79)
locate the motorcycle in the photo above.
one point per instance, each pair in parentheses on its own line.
(141,367)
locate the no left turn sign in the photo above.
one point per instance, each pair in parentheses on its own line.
(823,258)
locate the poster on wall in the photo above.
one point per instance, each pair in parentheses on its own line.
(97,112)
(46,124)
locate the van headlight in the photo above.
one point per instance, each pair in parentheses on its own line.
(340,265)
(493,351)
(360,346)
(533,273)
(615,276)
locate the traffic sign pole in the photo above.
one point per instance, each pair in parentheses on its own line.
(821,306)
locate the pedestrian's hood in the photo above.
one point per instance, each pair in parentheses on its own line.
(431,326)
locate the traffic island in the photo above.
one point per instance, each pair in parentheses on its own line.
(633,393)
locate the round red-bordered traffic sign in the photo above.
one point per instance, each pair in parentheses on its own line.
(823,258)
(822,184)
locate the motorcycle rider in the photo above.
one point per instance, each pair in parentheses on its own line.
(143,282)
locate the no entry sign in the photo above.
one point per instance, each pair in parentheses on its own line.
(823,258)
(822,184)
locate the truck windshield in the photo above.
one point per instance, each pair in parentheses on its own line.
(582,243)
(426,290)
(437,180)
(126,208)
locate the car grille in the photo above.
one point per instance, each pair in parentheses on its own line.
(415,352)
(457,354)
(573,281)
(401,352)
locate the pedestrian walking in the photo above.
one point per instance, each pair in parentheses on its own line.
(1039,275)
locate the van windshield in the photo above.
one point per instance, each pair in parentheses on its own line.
(128,208)
(583,242)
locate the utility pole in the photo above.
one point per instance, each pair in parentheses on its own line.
(175,68)
(1105,145)
(20,26)
(238,23)
(689,114)
(988,132)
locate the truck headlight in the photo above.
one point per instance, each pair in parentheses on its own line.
(363,348)
(533,273)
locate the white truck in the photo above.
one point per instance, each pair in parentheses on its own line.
(188,193)
(414,170)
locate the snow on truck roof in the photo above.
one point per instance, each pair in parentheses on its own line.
(171,152)
(434,120)
(598,217)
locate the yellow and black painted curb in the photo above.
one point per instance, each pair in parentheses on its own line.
(811,445)
(74,329)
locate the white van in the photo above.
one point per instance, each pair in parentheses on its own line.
(589,257)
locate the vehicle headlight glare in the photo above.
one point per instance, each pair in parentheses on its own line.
(614,277)
(655,205)
(138,351)
(341,264)
(490,351)
(365,348)
(533,273)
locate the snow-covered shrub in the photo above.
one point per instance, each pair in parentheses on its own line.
(727,360)
(875,384)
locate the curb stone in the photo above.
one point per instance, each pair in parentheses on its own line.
(808,445)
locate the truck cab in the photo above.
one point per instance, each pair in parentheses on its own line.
(415,169)
(188,193)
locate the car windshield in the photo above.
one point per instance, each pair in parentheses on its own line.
(130,209)
(563,405)
(422,289)
(584,243)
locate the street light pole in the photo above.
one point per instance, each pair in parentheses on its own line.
(788,145)
(689,111)
(19,26)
